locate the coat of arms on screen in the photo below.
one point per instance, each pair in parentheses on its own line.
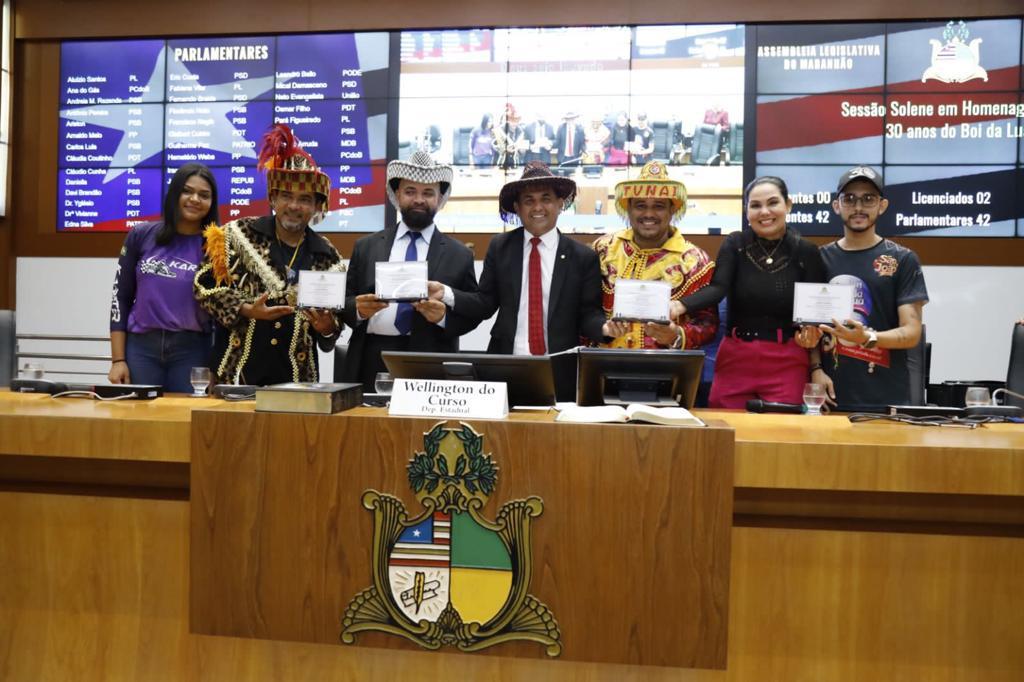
(954,59)
(445,575)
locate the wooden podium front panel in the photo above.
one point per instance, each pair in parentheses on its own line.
(631,553)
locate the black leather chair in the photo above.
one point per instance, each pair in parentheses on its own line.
(662,141)
(706,145)
(460,146)
(8,346)
(1015,372)
(339,361)
(919,361)
(736,144)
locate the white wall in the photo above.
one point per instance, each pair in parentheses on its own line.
(71,296)
(969,318)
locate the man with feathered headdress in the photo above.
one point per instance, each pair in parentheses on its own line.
(418,188)
(652,248)
(248,278)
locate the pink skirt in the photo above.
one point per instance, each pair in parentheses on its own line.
(745,370)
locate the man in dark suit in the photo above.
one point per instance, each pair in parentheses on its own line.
(541,136)
(418,188)
(545,286)
(569,140)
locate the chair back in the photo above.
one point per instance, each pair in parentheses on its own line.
(919,367)
(1015,372)
(706,142)
(8,348)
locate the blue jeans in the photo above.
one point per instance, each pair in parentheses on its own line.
(166,358)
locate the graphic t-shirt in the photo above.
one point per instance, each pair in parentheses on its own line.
(153,284)
(885,277)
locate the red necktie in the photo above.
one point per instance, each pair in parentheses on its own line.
(536,302)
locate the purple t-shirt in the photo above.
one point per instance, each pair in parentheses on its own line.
(153,284)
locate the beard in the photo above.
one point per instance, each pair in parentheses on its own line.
(292,225)
(417,219)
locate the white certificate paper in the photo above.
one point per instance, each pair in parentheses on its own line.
(401,281)
(637,300)
(321,290)
(815,303)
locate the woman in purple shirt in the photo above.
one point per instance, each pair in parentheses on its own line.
(157,330)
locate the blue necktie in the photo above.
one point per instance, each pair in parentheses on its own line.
(403,318)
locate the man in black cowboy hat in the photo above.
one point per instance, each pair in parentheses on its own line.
(545,286)
(418,188)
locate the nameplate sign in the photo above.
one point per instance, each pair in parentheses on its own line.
(443,398)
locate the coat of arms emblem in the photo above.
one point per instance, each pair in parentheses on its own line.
(955,60)
(447,576)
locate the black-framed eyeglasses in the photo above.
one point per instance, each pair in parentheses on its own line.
(865,200)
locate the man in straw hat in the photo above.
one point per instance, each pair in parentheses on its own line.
(418,188)
(651,248)
(545,286)
(248,278)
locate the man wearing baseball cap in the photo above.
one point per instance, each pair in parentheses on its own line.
(869,352)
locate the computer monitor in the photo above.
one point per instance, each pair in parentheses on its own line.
(528,377)
(612,376)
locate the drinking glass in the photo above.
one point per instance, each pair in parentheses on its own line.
(383,383)
(200,378)
(33,370)
(977,396)
(814,398)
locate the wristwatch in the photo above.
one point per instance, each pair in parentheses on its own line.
(872,339)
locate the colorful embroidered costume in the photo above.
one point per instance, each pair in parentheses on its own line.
(261,351)
(683,265)
(245,259)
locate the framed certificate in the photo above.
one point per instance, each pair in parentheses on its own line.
(401,281)
(321,290)
(638,300)
(816,303)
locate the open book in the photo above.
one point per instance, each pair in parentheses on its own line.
(669,416)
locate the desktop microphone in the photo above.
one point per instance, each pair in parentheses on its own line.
(762,406)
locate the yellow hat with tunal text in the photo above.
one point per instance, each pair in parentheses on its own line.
(653,183)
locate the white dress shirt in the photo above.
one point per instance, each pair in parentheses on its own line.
(548,247)
(383,323)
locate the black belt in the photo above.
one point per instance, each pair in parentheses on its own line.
(773,334)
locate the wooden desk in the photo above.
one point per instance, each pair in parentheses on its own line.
(95,586)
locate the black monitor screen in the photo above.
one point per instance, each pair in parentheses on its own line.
(622,377)
(528,377)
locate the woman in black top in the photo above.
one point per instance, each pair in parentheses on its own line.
(762,354)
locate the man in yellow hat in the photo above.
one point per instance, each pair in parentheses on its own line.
(653,249)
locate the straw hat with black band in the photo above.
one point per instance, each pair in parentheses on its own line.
(535,174)
(653,183)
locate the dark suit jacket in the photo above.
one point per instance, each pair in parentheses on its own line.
(578,141)
(574,302)
(448,262)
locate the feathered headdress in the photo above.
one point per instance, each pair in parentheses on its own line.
(289,168)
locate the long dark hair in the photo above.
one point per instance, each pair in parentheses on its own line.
(172,203)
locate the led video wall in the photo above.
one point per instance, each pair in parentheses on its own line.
(937,106)
(134,111)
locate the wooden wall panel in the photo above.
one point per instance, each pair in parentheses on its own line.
(37,19)
(631,553)
(97,589)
